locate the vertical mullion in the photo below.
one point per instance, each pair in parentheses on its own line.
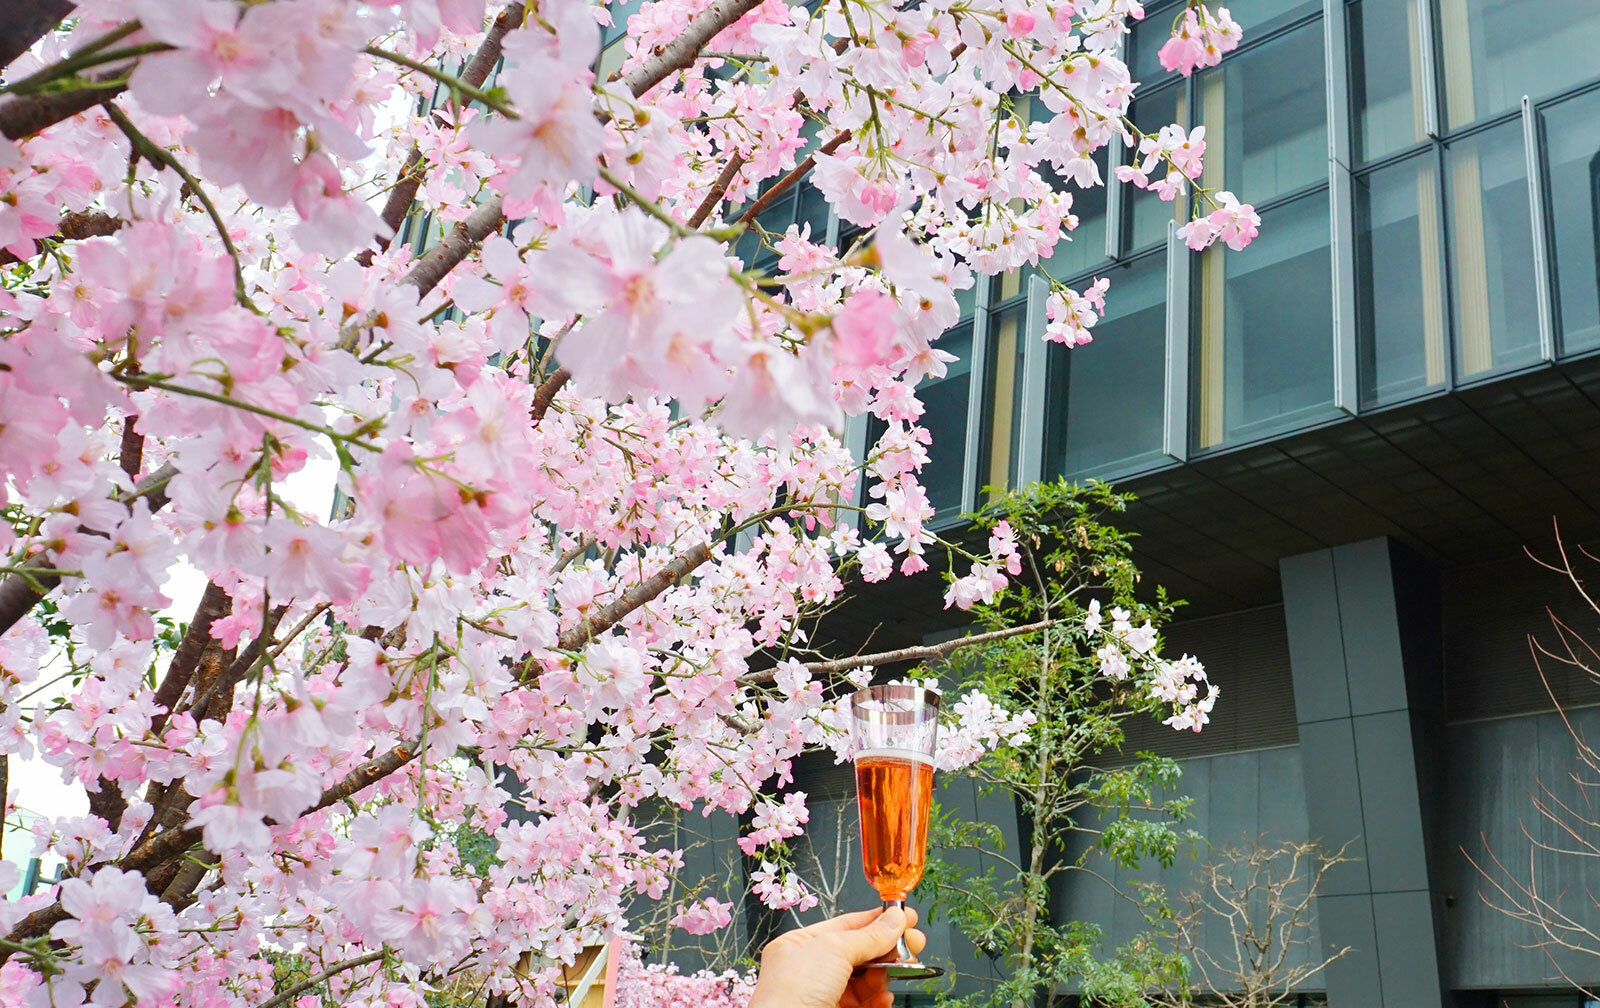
(1030,431)
(1175,400)
(1114,192)
(1427,40)
(978,393)
(1536,218)
(1341,205)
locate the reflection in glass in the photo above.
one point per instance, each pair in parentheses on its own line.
(1491,252)
(1385,77)
(1264,356)
(1145,214)
(1399,281)
(1496,51)
(1572,136)
(1104,401)
(1256,17)
(1084,247)
(944,416)
(1266,115)
(1002,422)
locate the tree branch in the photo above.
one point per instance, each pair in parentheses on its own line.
(685,49)
(23,116)
(795,174)
(278,1000)
(918,653)
(80,224)
(547,393)
(651,587)
(439,260)
(23,23)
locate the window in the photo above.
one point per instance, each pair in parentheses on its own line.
(1265,113)
(1264,318)
(1491,252)
(1399,280)
(1003,419)
(1256,17)
(1385,77)
(1572,135)
(1105,400)
(1496,51)
(1083,247)
(1145,215)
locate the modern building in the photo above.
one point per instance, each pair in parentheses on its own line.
(1343,439)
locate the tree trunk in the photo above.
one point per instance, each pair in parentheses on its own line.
(24,22)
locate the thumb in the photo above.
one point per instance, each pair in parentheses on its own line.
(875,939)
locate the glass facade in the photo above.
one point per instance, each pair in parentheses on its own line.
(1104,401)
(1572,143)
(1399,281)
(1441,268)
(1386,89)
(1491,252)
(1263,359)
(1496,51)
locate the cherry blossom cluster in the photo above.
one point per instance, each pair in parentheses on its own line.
(652,985)
(1127,652)
(593,486)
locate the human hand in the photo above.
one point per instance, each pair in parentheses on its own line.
(814,967)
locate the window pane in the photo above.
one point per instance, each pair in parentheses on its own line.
(1254,16)
(944,415)
(1385,75)
(1003,414)
(1146,214)
(1105,400)
(1084,247)
(1265,321)
(1399,281)
(1572,134)
(1491,252)
(1496,51)
(1266,117)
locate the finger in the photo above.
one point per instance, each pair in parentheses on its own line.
(873,940)
(912,917)
(869,984)
(844,922)
(884,1000)
(916,941)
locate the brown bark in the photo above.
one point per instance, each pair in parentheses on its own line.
(547,393)
(611,614)
(26,115)
(796,173)
(80,224)
(685,49)
(22,23)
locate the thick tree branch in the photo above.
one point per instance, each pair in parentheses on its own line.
(547,393)
(278,1000)
(23,116)
(398,206)
(214,604)
(23,23)
(81,224)
(651,587)
(439,260)
(685,49)
(718,189)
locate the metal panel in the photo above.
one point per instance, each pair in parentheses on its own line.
(1316,640)
(1334,817)
(1035,362)
(1374,667)
(1390,803)
(1427,42)
(1541,240)
(1342,256)
(977,395)
(1407,960)
(1175,402)
(1353,981)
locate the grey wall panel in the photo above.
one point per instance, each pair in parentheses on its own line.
(1499,765)
(1346,921)
(1369,627)
(1316,643)
(1407,959)
(1332,789)
(1396,851)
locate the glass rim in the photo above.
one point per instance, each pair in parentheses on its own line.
(896,691)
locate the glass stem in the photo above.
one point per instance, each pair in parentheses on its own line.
(901,952)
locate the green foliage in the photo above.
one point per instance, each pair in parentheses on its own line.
(1082,811)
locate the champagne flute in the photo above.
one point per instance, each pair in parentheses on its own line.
(892,733)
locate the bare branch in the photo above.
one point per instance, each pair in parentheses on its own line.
(919,653)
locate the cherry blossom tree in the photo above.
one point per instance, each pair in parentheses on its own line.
(592,487)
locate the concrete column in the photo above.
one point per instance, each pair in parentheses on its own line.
(1363,627)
